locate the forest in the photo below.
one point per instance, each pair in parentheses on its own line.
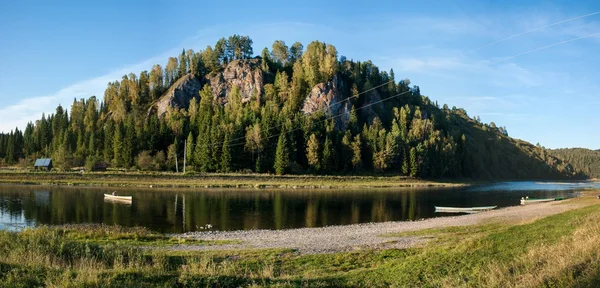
(584,160)
(291,109)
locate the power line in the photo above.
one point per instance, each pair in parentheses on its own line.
(328,118)
(549,46)
(318,110)
(400,94)
(533,30)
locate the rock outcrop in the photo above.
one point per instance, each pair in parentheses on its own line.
(327,97)
(179,95)
(246,74)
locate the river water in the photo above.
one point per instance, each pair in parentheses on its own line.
(184,210)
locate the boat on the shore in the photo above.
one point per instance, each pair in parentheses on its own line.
(439,209)
(117,198)
(527,200)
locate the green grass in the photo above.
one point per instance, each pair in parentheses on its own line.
(562,250)
(212,180)
(114,234)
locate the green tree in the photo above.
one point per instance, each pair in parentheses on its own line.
(189,152)
(313,153)
(328,156)
(414,166)
(405,165)
(356,153)
(118,146)
(281,155)
(226,161)
(279,52)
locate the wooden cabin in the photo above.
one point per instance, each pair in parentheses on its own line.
(43,164)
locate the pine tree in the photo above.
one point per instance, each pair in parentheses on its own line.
(328,155)
(189,152)
(346,157)
(109,134)
(10,149)
(356,153)
(414,166)
(118,146)
(128,149)
(226,155)
(405,165)
(281,155)
(313,153)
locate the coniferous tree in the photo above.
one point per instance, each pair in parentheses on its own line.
(328,155)
(405,165)
(226,155)
(357,153)
(189,152)
(117,146)
(281,155)
(313,152)
(414,166)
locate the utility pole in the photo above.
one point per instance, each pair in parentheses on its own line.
(176,165)
(184,153)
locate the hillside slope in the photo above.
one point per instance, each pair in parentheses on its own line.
(584,160)
(291,110)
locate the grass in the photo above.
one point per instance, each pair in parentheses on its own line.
(119,235)
(562,250)
(211,180)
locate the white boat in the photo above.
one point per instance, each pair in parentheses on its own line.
(527,200)
(115,197)
(463,209)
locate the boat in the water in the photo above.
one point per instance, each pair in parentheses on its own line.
(118,198)
(527,200)
(439,209)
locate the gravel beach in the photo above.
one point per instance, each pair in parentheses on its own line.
(360,236)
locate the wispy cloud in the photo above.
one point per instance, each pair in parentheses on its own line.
(30,109)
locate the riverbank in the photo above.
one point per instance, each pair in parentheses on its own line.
(233,180)
(548,244)
(345,238)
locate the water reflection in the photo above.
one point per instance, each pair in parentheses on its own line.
(178,211)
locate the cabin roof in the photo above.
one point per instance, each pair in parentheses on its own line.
(42,162)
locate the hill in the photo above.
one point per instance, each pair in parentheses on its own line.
(584,160)
(290,110)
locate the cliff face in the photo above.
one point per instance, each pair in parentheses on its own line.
(327,97)
(179,95)
(246,74)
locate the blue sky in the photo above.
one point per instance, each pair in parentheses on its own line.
(54,52)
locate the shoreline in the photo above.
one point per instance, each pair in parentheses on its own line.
(382,235)
(221,181)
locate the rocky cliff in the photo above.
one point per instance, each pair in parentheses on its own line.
(328,98)
(246,74)
(179,95)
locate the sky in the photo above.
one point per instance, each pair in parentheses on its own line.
(543,85)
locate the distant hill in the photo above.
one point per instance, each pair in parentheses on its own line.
(289,110)
(584,160)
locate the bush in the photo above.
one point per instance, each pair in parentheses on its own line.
(144,161)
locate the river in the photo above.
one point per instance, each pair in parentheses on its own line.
(184,210)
